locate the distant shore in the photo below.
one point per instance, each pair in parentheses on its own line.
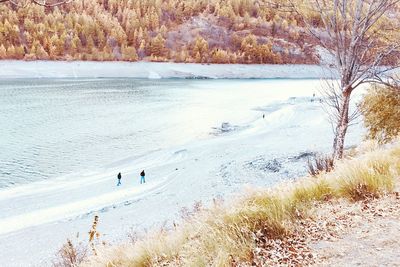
(156,70)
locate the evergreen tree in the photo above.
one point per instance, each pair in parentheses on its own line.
(19,52)
(129,53)
(11,52)
(3,52)
(41,53)
(157,46)
(200,49)
(102,29)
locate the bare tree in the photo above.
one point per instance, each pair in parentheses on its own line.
(331,100)
(45,3)
(359,34)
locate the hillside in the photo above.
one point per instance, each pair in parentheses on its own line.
(213,31)
(348,217)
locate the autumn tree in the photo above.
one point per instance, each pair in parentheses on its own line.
(142,49)
(220,56)
(129,53)
(19,52)
(249,47)
(3,52)
(11,52)
(157,46)
(200,49)
(361,37)
(84,29)
(40,52)
(380,108)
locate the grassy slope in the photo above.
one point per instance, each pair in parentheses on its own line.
(226,235)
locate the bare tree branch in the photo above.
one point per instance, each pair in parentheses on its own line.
(358,34)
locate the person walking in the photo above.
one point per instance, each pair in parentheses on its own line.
(119,176)
(142,177)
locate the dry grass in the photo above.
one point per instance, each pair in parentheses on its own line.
(320,164)
(226,235)
(368,176)
(360,183)
(71,255)
(395,156)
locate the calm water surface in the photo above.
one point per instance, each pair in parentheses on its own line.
(54,127)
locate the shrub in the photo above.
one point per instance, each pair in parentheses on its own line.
(71,255)
(320,164)
(380,108)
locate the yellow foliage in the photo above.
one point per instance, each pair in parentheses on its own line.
(159,30)
(381,111)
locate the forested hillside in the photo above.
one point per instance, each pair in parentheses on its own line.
(202,31)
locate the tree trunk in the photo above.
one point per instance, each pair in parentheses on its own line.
(342,125)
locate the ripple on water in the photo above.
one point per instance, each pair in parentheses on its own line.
(52,127)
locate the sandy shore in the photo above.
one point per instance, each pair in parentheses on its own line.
(154,70)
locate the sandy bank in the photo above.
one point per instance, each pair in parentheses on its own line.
(153,70)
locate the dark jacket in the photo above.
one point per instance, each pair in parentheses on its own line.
(119,176)
(142,173)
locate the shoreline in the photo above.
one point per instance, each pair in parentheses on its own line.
(16,69)
(312,221)
(137,207)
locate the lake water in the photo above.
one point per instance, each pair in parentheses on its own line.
(55,127)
